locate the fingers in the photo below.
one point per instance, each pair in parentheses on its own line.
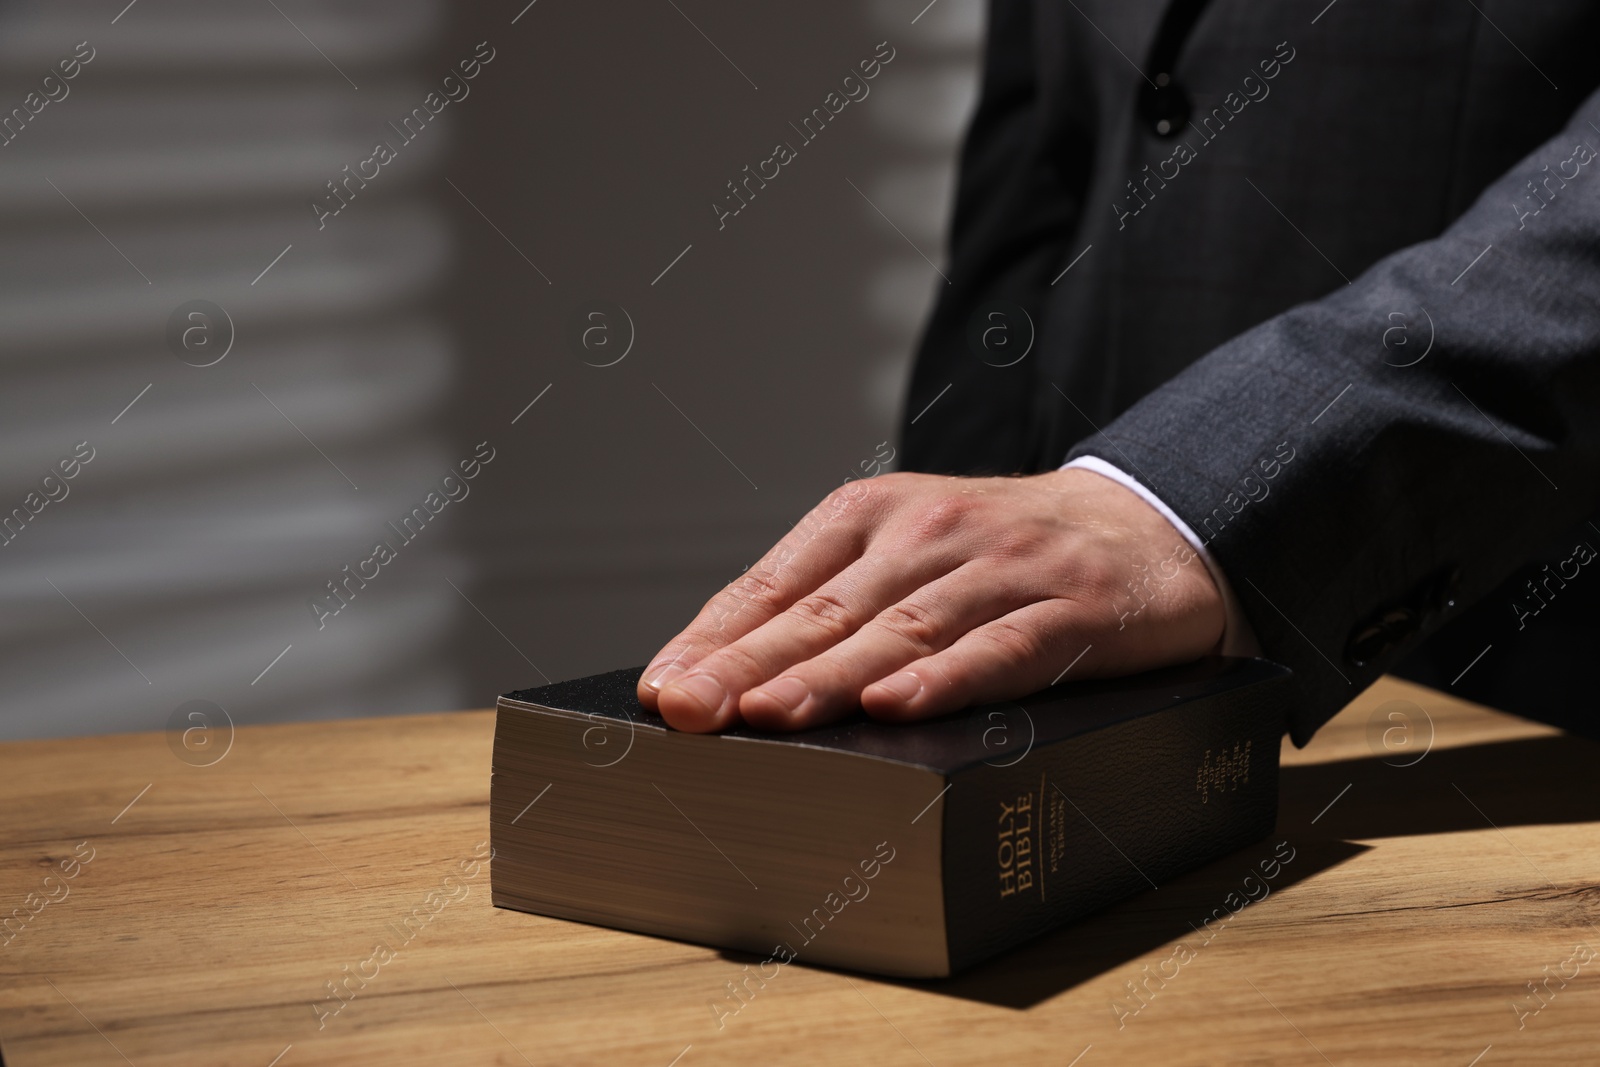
(710,694)
(912,597)
(1020,652)
(928,619)
(822,544)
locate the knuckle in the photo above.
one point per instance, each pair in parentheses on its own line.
(849,506)
(941,518)
(836,501)
(758,587)
(869,500)
(826,612)
(1016,646)
(914,624)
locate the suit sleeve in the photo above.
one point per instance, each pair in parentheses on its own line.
(1364,465)
(1018,196)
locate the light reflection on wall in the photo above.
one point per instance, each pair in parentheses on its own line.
(183,161)
(410,327)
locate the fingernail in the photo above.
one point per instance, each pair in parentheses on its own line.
(789,692)
(904,685)
(658,675)
(703,689)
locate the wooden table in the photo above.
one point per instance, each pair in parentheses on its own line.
(217,901)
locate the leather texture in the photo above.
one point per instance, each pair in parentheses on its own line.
(979,735)
(1109,813)
(1131,781)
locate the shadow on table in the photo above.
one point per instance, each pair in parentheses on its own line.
(1073,954)
(1511,783)
(1538,780)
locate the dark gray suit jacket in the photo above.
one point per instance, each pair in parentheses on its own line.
(1325,278)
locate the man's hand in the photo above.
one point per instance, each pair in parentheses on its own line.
(912,595)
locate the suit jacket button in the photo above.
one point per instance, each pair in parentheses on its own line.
(1164,106)
(1444,594)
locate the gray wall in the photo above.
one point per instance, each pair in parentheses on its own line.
(393,337)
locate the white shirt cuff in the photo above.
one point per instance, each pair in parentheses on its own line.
(1238,638)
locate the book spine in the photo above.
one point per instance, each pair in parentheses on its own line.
(1042,835)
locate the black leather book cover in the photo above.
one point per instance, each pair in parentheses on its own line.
(1126,801)
(1055,804)
(951,742)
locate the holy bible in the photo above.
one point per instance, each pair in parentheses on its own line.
(911,850)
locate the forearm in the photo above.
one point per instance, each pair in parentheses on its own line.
(1402,472)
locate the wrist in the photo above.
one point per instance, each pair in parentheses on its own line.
(1163,577)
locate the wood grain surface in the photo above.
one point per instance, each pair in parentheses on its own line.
(165,913)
